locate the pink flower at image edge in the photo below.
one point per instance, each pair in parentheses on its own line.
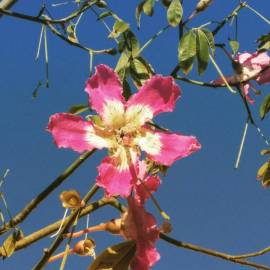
(254,66)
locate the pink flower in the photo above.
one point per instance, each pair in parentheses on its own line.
(252,67)
(139,225)
(122,128)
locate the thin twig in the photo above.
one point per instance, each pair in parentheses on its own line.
(257,13)
(39,42)
(76,44)
(253,254)
(46,20)
(241,145)
(153,38)
(228,18)
(46,58)
(217,85)
(41,196)
(215,31)
(211,252)
(48,230)
(48,253)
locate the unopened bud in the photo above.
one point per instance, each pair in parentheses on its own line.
(166,3)
(85,247)
(166,227)
(203,4)
(71,199)
(114,226)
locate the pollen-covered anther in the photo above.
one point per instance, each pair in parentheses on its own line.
(127,140)
(115,161)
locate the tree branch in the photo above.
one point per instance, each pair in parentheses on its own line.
(34,237)
(228,18)
(236,82)
(86,5)
(216,30)
(6,4)
(76,44)
(37,200)
(211,252)
(48,253)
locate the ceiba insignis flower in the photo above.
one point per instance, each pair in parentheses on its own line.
(252,67)
(122,128)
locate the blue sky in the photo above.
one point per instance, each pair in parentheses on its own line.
(210,203)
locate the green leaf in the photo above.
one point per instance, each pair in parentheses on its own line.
(234,44)
(210,39)
(263,174)
(132,44)
(9,245)
(202,51)
(187,51)
(140,71)
(117,257)
(265,106)
(104,15)
(148,7)
(123,64)
(174,13)
(96,119)
(138,14)
(119,27)
(37,88)
(126,90)
(101,4)
(264,42)
(71,33)
(78,108)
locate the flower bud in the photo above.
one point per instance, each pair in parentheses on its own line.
(85,247)
(202,5)
(114,226)
(166,227)
(71,199)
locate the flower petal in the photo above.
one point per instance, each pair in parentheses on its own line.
(158,94)
(264,77)
(145,184)
(145,187)
(245,89)
(145,259)
(260,58)
(105,95)
(71,131)
(141,226)
(242,57)
(116,174)
(166,147)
